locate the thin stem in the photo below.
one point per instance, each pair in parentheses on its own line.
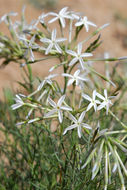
(117,119)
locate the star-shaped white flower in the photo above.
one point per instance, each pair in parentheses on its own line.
(30,46)
(93,101)
(106,101)
(75,78)
(53,42)
(77,124)
(46,80)
(42,17)
(78,56)
(19,103)
(63,13)
(4,17)
(84,21)
(58,108)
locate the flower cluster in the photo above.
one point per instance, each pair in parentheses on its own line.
(69,104)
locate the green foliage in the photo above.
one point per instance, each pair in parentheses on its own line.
(43,151)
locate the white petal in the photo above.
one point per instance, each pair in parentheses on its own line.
(53,14)
(83,79)
(107,108)
(62,21)
(51,102)
(53,35)
(50,113)
(48,49)
(100,96)
(79,48)
(86,54)
(86,97)
(105,93)
(63,10)
(15,106)
(79,131)
(69,128)
(81,116)
(73,61)
(61,39)
(95,107)
(76,73)
(86,26)
(70,82)
(81,63)
(58,48)
(102,105)
(91,23)
(60,116)
(41,85)
(45,40)
(97,102)
(53,19)
(60,101)
(94,94)
(66,108)
(86,126)
(67,75)
(31,55)
(71,117)
(73,53)
(79,23)
(89,107)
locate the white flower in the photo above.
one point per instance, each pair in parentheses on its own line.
(74,15)
(53,42)
(4,17)
(61,16)
(42,17)
(93,101)
(84,21)
(106,101)
(58,108)
(74,78)
(78,56)
(19,102)
(46,80)
(77,124)
(30,46)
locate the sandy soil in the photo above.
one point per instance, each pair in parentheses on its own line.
(98,11)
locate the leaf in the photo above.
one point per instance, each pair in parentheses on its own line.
(98,161)
(94,45)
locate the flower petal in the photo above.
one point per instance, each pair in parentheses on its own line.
(79,131)
(81,116)
(73,61)
(89,107)
(60,116)
(85,125)
(51,102)
(86,97)
(50,113)
(71,117)
(66,108)
(69,128)
(60,101)
(70,82)
(58,48)
(48,49)
(73,53)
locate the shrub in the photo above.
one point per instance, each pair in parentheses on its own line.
(62,135)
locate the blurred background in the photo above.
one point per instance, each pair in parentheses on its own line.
(100,12)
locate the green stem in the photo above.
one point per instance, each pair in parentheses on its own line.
(117,119)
